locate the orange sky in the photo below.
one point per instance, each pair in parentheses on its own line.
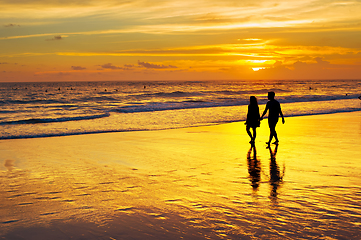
(73,40)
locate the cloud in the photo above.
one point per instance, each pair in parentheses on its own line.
(131,66)
(321,62)
(110,66)
(316,69)
(77,68)
(11,25)
(55,38)
(154,66)
(59,74)
(318,66)
(181,17)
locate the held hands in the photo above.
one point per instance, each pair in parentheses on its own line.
(283,120)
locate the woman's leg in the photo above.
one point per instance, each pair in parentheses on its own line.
(254,134)
(249,132)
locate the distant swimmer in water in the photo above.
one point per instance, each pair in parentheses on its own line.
(253,118)
(275,111)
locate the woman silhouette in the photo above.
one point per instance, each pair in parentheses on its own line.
(253,118)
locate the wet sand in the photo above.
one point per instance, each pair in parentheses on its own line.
(191,183)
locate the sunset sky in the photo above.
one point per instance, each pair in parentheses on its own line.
(74,40)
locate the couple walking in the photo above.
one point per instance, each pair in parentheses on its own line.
(254,118)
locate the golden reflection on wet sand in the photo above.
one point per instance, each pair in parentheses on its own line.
(195,183)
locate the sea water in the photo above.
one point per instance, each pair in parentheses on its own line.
(47,109)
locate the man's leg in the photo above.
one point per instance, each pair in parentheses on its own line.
(273,133)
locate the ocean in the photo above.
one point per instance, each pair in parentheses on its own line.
(31,110)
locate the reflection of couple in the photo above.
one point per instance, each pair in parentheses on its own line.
(254,170)
(254,118)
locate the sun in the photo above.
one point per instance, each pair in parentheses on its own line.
(257,68)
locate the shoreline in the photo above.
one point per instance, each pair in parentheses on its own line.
(161,129)
(194,183)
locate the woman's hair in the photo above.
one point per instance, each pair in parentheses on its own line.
(253,100)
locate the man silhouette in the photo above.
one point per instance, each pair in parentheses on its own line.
(275,111)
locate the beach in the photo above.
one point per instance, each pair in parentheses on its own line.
(191,183)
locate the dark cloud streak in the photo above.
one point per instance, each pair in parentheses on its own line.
(55,38)
(77,68)
(154,66)
(11,25)
(110,66)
